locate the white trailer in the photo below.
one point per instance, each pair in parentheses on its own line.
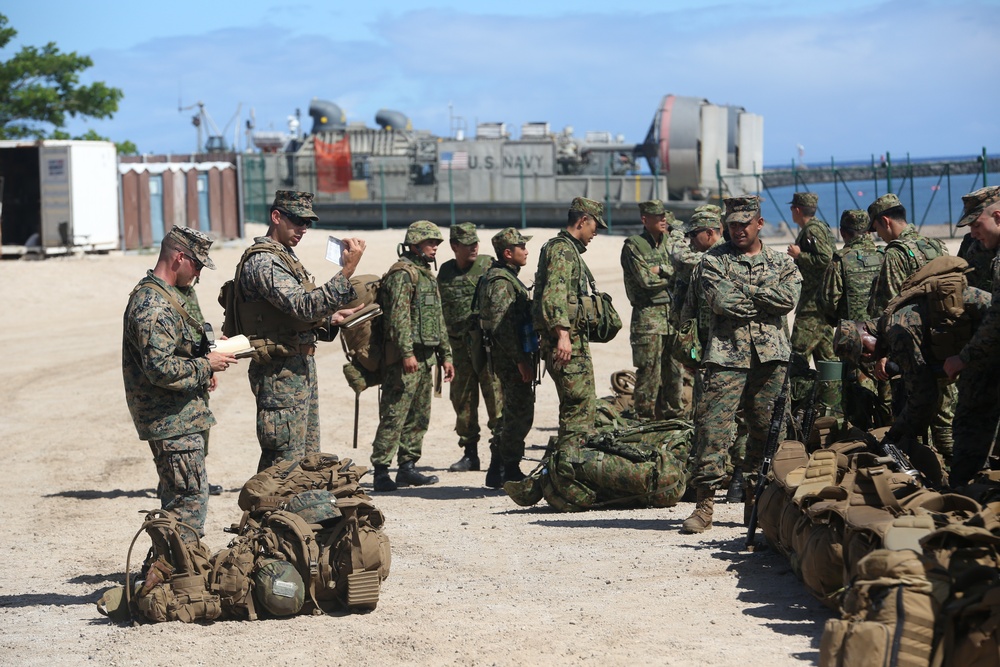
(58,196)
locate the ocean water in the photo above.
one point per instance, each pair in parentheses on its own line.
(927,198)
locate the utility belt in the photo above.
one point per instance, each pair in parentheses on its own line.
(265,350)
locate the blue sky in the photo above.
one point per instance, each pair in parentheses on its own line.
(844,79)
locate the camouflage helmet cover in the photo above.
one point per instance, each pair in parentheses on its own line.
(422,230)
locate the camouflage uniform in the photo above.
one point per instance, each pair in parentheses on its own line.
(843,295)
(414,324)
(978,409)
(903,256)
(284,380)
(683,257)
(166,377)
(905,336)
(812,337)
(659,378)
(747,351)
(505,309)
(980,259)
(561,277)
(457,289)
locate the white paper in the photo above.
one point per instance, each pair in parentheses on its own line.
(334,248)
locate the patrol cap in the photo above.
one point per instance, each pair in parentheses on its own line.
(594,209)
(508,238)
(293,202)
(880,206)
(742,209)
(976,202)
(464,233)
(652,207)
(805,199)
(847,342)
(703,218)
(855,220)
(194,242)
(420,231)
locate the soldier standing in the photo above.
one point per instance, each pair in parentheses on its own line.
(649,284)
(843,295)
(907,251)
(457,281)
(416,335)
(812,337)
(283,313)
(168,373)
(560,281)
(978,409)
(505,315)
(750,289)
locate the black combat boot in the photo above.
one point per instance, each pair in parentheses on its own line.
(494,474)
(512,472)
(382,482)
(737,491)
(407,475)
(469,460)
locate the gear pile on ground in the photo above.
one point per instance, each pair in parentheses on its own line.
(310,541)
(914,573)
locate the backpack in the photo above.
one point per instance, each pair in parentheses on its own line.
(272,486)
(364,343)
(942,281)
(174,577)
(231,578)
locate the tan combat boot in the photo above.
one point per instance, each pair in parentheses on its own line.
(701,519)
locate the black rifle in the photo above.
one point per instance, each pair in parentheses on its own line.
(809,417)
(899,460)
(773,436)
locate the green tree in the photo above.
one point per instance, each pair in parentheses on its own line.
(40,88)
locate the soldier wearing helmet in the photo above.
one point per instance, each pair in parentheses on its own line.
(416,339)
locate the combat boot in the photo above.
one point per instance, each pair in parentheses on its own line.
(407,475)
(737,490)
(512,472)
(469,460)
(494,474)
(382,482)
(701,519)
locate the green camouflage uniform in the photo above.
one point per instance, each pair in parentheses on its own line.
(285,387)
(812,337)
(980,259)
(457,289)
(559,280)
(504,309)
(166,387)
(747,352)
(659,378)
(414,323)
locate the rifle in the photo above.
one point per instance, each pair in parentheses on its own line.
(898,459)
(809,416)
(773,435)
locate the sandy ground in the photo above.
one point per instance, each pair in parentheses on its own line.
(475,579)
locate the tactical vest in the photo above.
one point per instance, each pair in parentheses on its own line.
(522,302)
(457,291)
(268,328)
(425,304)
(918,250)
(859,267)
(638,296)
(541,280)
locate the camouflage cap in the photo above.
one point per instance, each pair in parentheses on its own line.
(805,199)
(194,242)
(976,202)
(314,506)
(880,206)
(742,209)
(855,220)
(299,204)
(847,342)
(508,238)
(420,231)
(464,233)
(594,209)
(703,218)
(652,207)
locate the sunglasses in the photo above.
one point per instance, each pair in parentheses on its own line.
(193,260)
(296,220)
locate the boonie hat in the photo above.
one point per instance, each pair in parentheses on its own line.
(195,242)
(464,233)
(805,199)
(855,220)
(742,209)
(293,202)
(976,202)
(508,238)
(594,209)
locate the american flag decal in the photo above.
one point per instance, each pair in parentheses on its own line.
(454,160)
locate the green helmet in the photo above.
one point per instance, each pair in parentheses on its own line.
(422,230)
(315,506)
(279,587)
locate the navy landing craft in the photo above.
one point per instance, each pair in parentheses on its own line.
(393,174)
